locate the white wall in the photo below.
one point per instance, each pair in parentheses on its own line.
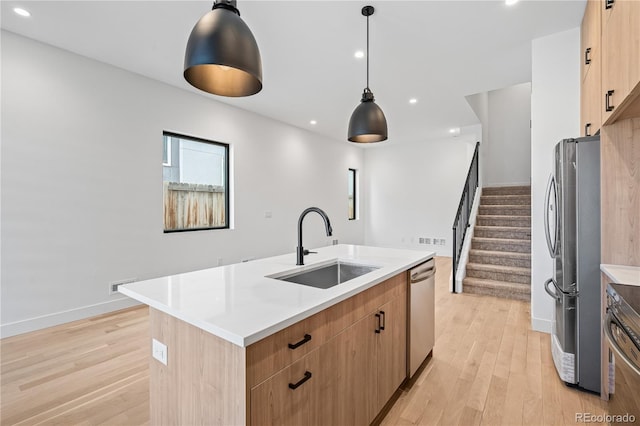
(508,161)
(505,153)
(78,214)
(413,191)
(555,114)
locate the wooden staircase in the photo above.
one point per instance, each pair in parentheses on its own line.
(500,256)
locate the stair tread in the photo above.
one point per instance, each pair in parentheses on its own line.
(506,228)
(479,252)
(503,216)
(502,240)
(499,268)
(482,282)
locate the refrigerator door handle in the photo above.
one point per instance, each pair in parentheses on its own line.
(553,293)
(551,186)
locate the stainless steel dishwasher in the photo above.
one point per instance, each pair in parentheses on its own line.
(421,322)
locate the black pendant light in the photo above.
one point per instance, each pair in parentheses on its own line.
(367,123)
(222,55)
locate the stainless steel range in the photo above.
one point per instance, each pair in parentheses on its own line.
(622,328)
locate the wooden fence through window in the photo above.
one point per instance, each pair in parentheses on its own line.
(193,206)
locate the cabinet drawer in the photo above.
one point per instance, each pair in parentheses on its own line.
(273,353)
(291,397)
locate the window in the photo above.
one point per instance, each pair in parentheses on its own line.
(195,181)
(166,151)
(352,194)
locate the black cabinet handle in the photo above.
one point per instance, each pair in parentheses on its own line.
(607,99)
(586,129)
(306,338)
(307,376)
(378,329)
(384,320)
(587,59)
(609,4)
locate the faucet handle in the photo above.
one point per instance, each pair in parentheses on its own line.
(306,252)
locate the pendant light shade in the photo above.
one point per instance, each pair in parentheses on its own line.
(368,123)
(222,56)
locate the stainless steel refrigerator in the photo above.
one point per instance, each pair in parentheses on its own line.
(572,225)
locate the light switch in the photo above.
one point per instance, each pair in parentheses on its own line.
(159,351)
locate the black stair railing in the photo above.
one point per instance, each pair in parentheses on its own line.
(461,222)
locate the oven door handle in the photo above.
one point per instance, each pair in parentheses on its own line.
(613,344)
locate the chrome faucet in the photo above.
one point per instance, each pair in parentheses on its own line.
(300,251)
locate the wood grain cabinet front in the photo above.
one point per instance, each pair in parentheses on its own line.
(620,91)
(292,397)
(590,104)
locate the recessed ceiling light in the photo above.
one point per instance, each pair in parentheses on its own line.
(510,2)
(313,122)
(455,131)
(413,101)
(359,54)
(22,12)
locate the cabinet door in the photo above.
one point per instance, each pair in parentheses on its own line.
(274,402)
(590,36)
(391,349)
(349,375)
(620,55)
(590,103)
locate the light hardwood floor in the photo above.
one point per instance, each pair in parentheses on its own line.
(488,367)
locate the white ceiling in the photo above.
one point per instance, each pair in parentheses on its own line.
(436,51)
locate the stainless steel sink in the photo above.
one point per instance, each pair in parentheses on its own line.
(329,275)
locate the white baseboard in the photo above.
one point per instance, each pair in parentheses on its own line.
(542,325)
(45,321)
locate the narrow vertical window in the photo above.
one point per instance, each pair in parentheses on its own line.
(195,179)
(352,194)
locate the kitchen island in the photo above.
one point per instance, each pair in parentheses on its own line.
(243,347)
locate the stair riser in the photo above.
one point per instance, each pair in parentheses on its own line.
(501,261)
(505,211)
(507,190)
(503,233)
(467,288)
(504,221)
(501,246)
(499,276)
(509,200)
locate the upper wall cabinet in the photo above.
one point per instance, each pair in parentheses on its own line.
(590,115)
(620,20)
(590,37)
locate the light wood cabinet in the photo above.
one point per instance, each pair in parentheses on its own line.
(340,366)
(620,59)
(291,397)
(359,370)
(392,363)
(590,109)
(590,36)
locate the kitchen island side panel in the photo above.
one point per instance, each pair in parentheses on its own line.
(204,381)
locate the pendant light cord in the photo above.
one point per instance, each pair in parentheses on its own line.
(367,52)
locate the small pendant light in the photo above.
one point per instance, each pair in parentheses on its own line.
(368,123)
(222,56)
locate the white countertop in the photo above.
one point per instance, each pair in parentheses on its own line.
(239,303)
(622,274)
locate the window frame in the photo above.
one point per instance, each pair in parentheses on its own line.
(353,176)
(227,181)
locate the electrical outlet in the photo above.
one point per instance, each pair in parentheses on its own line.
(113,285)
(421,240)
(219,261)
(427,241)
(159,351)
(268,214)
(334,242)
